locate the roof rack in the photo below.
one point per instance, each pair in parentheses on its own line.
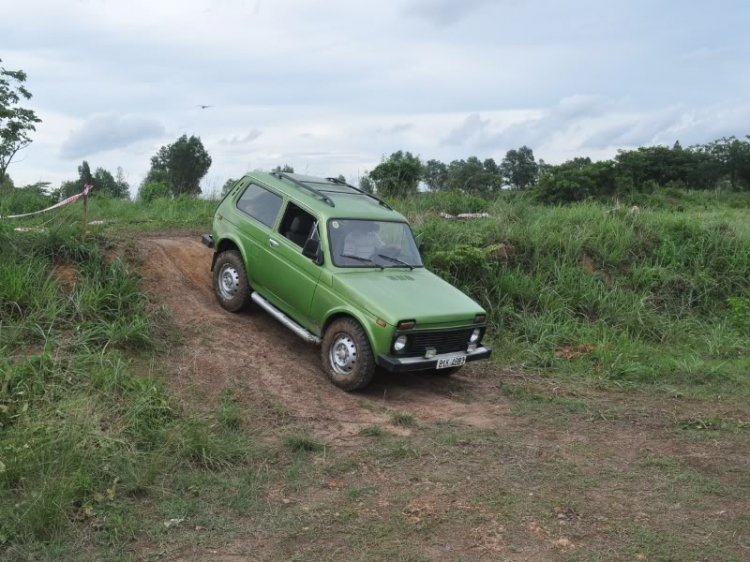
(283,176)
(378,199)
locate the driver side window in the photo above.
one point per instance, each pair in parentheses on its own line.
(297,225)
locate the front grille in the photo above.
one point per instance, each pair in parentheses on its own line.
(444,341)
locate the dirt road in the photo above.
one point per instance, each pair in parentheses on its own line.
(532,469)
(253,351)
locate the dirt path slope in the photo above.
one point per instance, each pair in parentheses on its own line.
(251,350)
(533,471)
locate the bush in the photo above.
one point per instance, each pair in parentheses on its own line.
(152,191)
(19,200)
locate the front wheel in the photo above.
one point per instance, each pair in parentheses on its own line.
(230,281)
(347,355)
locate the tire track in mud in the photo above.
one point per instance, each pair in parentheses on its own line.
(253,352)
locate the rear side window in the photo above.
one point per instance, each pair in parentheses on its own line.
(260,204)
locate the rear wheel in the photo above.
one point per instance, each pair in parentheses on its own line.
(347,355)
(230,281)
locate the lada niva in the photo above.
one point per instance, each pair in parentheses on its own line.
(340,268)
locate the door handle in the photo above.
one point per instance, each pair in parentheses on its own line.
(273,243)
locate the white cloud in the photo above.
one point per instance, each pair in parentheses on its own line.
(248,138)
(109,131)
(472,127)
(336,85)
(444,12)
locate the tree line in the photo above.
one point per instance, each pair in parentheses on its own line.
(178,168)
(723,163)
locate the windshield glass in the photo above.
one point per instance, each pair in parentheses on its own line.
(366,243)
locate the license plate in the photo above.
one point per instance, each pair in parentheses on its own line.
(447,362)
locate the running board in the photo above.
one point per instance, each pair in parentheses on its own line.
(285,320)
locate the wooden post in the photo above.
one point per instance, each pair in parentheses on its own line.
(85,213)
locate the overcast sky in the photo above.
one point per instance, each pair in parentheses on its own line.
(331,86)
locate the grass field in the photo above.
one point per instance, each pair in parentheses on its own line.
(615,419)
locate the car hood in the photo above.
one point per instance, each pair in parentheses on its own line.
(396,294)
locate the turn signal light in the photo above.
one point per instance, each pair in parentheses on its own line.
(406,324)
(480,318)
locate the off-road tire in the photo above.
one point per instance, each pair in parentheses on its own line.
(353,345)
(233,297)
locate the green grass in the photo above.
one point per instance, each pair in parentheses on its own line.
(302,442)
(649,289)
(82,435)
(97,453)
(659,291)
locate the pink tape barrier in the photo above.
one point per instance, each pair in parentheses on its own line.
(86,189)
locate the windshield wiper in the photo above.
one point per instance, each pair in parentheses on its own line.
(358,258)
(396,260)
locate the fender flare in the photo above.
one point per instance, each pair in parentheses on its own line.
(235,242)
(356,314)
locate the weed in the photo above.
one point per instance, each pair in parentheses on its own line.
(402,419)
(302,442)
(373,430)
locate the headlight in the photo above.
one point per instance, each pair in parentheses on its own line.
(475,335)
(400,343)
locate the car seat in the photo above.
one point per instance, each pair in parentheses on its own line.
(300,228)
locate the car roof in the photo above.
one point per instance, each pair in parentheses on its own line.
(347,201)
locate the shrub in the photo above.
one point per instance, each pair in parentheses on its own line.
(152,191)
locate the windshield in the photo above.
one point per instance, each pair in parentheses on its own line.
(366,243)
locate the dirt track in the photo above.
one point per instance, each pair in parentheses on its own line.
(253,352)
(622,459)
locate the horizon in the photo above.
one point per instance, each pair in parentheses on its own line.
(337,87)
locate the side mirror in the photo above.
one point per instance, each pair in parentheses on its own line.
(311,249)
(422,247)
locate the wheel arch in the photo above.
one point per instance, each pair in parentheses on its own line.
(226,244)
(338,314)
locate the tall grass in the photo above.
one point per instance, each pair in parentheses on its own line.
(82,436)
(648,287)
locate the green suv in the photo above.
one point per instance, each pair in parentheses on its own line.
(341,269)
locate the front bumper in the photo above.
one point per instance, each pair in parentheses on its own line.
(401,365)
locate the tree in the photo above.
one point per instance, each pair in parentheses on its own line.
(286,168)
(84,175)
(16,123)
(474,176)
(398,175)
(435,175)
(122,187)
(104,183)
(577,179)
(341,178)
(184,163)
(733,157)
(6,184)
(519,168)
(366,184)
(228,185)
(68,189)
(153,190)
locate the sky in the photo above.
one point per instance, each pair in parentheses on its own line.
(330,87)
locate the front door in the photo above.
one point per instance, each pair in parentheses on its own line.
(294,276)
